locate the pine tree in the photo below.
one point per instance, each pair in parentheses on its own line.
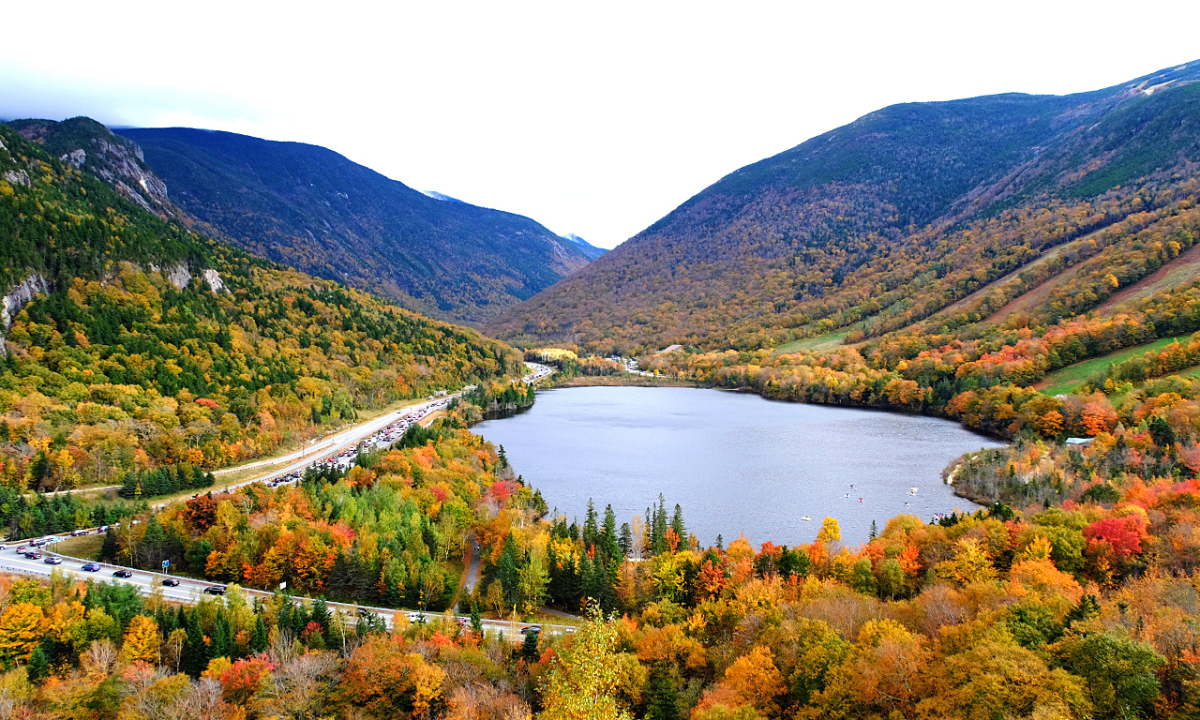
(678,526)
(609,537)
(108,551)
(626,540)
(38,668)
(529,648)
(195,650)
(662,700)
(508,571)
(476,619)
(320,614)
(221,642)
(259,639)
(590,529)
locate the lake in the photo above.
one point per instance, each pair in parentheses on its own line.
(736,463)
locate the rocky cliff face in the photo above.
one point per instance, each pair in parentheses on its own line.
(89,146)
(15,299)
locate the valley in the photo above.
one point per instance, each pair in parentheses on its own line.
(956,474)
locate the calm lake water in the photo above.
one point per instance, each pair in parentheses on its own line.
(735,462)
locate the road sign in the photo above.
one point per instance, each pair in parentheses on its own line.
(166,564)
(283,585)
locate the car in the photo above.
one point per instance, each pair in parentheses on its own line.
(77,533)
(51,560)
(21,550)
(215,589)
(535,629)
(91,567)
(416,617)
(171,582)
(33,555)
(123,573)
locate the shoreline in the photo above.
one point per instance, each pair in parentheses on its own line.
(948,473)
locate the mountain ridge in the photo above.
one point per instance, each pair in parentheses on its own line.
(309,207)
(808,236)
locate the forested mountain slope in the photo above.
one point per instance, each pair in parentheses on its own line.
(885,221)
(129,341)
(313,209)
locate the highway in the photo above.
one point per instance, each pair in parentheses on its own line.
(340,449)
(190,591)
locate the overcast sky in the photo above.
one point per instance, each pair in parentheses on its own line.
(593,118)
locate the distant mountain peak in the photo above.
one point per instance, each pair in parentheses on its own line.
(592,251)
(440,196)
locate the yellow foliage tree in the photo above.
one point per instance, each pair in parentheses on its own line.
(20,631)
(141,640)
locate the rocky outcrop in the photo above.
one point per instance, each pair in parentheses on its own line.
(75,158)
(87,145)
(214,281)
(120,164)
(179,275)
(15,300)
(17,177)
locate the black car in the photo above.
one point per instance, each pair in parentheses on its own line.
(122,573)
(171,582)
(215,589)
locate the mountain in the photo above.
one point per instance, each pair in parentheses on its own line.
(127,339)
(882,222)
(313,209)
(588,249)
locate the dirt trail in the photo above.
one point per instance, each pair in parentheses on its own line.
(1179,271)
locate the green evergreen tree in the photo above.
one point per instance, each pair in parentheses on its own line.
(529,648)
(662,700)
(38,668)
(508,571)
(108,550)
(320,614)
(476,619)
(259,638)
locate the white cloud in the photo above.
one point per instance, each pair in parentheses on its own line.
(591,118)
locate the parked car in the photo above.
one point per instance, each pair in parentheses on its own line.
(122,573)
(171,582)
(51,560)
(91,567)
(215,589)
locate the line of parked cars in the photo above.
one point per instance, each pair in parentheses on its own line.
(382,438)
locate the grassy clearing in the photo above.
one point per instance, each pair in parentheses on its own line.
(1067,379)
(84,546)
(828,341)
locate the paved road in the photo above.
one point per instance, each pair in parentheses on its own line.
(340,440)
(192,591)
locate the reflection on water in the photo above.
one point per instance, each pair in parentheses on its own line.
(735,462)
